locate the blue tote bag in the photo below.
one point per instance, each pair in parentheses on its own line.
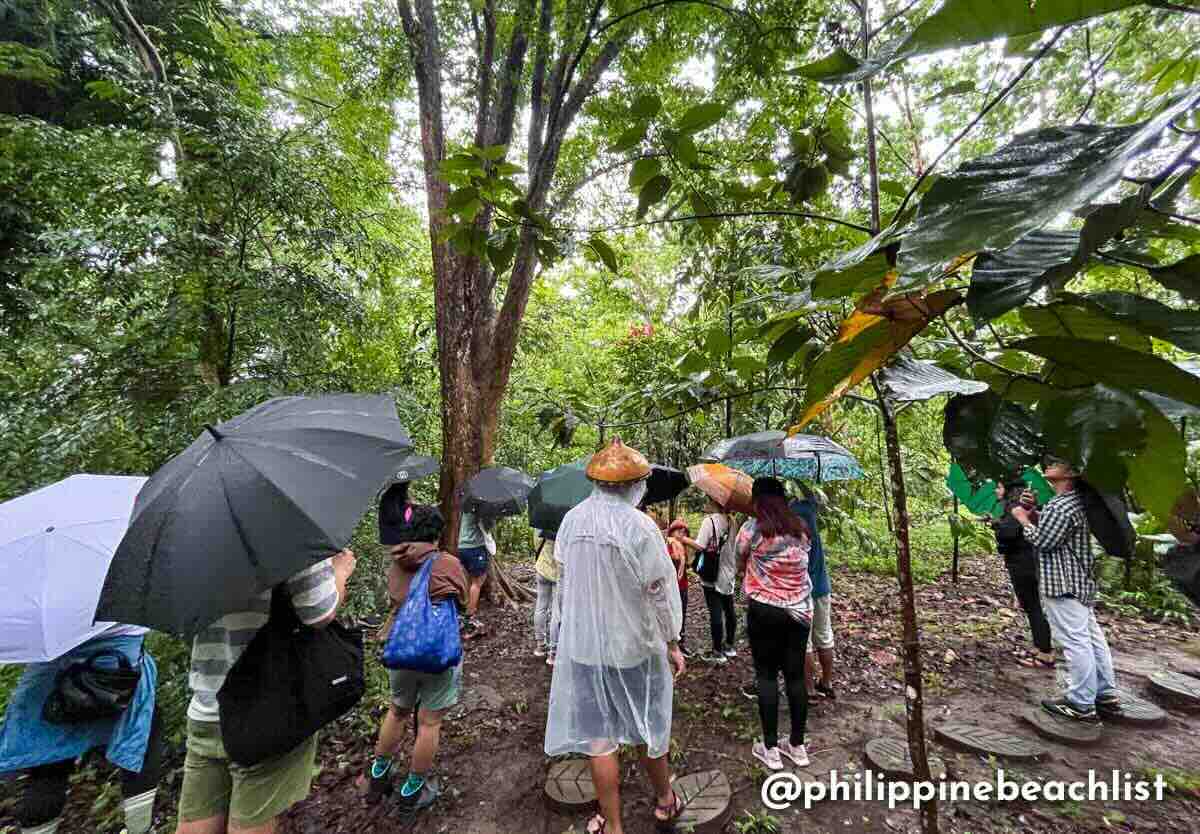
(424,635)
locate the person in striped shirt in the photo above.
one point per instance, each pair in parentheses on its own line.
(1066,577)
(218,795)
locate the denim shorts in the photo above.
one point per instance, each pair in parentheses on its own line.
(475,560)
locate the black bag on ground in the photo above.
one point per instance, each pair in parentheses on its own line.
(85,691)
(707,563)
(291,681)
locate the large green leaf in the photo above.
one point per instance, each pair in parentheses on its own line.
(961,23)
(1174,409)
(604,252)
(1117,366)
(1002,281)
(652,193)
(990,438)
(861,277)
(700,117)
(1182,277)
(988,203)
(1179,327)
(1082,321)
(1157,476)
(865,343)
(785,346)
(1095,428)
(646,106)
(642,171)
(837,63)
(912,380)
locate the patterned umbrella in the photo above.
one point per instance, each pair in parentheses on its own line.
(801,457)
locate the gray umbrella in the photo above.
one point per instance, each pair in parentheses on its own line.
(249,503)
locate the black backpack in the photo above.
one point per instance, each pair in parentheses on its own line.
(707,563)
(291,681)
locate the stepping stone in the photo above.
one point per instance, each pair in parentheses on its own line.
(707,799)
(890,757)
(987,741)
(1062,730)
(1182,688)
(1140,667)
(569,787)
(1137,711)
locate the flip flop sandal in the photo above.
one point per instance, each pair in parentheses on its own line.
(1035,662)
(597,825)
(675,810)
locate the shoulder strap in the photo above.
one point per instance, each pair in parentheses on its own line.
(282,610)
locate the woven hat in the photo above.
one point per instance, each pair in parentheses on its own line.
(617,463)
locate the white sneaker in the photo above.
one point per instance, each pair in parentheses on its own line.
(797,753)
(715,658)
(768,757)
(731,652)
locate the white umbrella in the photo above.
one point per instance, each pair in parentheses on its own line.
(55,547)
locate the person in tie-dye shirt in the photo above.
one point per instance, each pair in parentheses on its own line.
(772,551)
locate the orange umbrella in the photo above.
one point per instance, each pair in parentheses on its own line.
(728,487)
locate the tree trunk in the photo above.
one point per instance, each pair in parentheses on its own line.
(914,700)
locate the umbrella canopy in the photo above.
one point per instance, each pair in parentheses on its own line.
(1108,520)
(248,504)
(55,546)
(413,467)
(800,457)
(664,484)
(730,488)
(498,491)
(982,500)
(558,490)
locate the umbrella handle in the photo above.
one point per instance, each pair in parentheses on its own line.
(216,434)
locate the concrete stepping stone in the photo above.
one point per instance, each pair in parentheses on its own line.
(988,741)
(1062,730)
(1182,689)
(569,787)
(1137,712)
(708,802)
(889,756)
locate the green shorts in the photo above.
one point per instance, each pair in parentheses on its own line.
(429,691)
(213,786)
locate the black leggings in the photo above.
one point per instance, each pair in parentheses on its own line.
(778,643)
(1025,586)
(45,793)
(720,608)
(683,596)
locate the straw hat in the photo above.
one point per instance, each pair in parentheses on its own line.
(617,463)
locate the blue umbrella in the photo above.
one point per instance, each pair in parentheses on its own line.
(801,457)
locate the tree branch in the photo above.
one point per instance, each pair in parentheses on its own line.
(504,118)
(718,216)
(537,98)
(987,108)
(1174,7)
(487,55)
(574,188)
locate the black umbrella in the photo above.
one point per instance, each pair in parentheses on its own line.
(248,504)
(664,484)
(498,491)
(1108,519)
(760,444)
(411,467)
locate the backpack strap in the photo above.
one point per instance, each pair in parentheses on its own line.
(282,611)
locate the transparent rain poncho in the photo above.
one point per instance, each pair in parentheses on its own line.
(612,680)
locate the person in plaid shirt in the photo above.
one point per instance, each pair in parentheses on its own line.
(1066,575)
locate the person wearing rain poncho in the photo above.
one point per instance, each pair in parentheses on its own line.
(618,640)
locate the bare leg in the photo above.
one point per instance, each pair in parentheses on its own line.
(658,771)
(826,656)
(429,731)
(810,671)
(391,734)
(473,595)
(212,825)
(606,775)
